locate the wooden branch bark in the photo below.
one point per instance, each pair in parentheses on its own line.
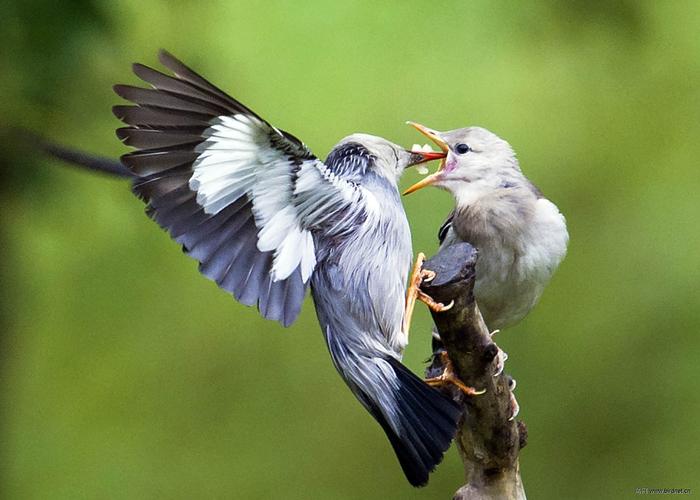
(488,442)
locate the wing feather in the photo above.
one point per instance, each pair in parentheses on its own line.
(243,198)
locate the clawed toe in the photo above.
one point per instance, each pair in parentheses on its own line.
(432,304)
(500,361)
(515,407)
(448,376)
(426,276)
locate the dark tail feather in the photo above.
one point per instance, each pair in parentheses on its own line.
(82,159)
(419,421)
(428,421)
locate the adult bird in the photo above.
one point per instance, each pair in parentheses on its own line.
(266,219)
(520,235)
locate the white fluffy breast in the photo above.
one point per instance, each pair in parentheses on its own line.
(513,272)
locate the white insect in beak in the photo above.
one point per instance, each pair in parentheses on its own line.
(417,148)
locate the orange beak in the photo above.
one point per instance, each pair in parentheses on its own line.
(433,136)
(427,156)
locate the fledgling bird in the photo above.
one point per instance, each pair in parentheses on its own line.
(520,235)
(266,219)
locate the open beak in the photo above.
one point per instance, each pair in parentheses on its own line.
(419,157)
(435,137)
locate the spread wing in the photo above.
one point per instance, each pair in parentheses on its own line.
(243,198)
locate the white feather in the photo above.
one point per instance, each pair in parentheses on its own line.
(308,257)
(273,233)
(288,254)
(238,159)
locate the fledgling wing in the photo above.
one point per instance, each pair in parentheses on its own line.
(445,228)
(243,197)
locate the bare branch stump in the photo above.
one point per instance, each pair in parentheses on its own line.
(488,442)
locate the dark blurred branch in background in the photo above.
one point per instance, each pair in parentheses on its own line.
(488,442)
(74,157)
(96,163)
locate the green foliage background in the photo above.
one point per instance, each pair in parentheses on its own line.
(124,374)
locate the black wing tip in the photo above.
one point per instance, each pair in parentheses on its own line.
(163,53)
(122,90)
(122,134)
(141,70)
(119,111)
(127,160)
(168,60)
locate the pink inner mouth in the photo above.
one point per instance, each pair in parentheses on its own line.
(449,165)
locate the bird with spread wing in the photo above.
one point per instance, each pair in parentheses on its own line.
(267,220)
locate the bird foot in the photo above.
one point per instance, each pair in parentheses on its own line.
(414,293)
(500,361)
(420,276)
(448,376)
(514,406)
(434,306)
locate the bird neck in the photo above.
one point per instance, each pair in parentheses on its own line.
(495,211)
(470,193)
(505,185)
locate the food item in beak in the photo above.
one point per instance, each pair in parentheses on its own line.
(417,148)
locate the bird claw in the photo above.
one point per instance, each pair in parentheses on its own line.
(515,407)
(432,304)
(414,293)
(448,376)
(500,361)
(448,306)
(426,276)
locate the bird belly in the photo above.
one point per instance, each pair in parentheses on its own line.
(385,270)
(505,303)
(365,285)
(513,270)
(509,284)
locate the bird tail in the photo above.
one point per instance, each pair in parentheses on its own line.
(427,424)
(419,421)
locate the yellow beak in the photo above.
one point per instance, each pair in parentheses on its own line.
(433,136)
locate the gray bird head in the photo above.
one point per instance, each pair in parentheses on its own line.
(476,159)
(389,160)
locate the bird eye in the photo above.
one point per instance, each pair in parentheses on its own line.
(461,149)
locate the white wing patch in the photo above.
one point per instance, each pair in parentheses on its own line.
(226,168)
(237,159)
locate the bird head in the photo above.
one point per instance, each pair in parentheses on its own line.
(389,160)
(476,159)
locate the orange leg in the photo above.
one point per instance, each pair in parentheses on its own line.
(449,377)
(414,293)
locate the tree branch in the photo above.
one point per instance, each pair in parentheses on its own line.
(488,442)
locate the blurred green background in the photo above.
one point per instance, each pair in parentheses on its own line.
(124,374)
